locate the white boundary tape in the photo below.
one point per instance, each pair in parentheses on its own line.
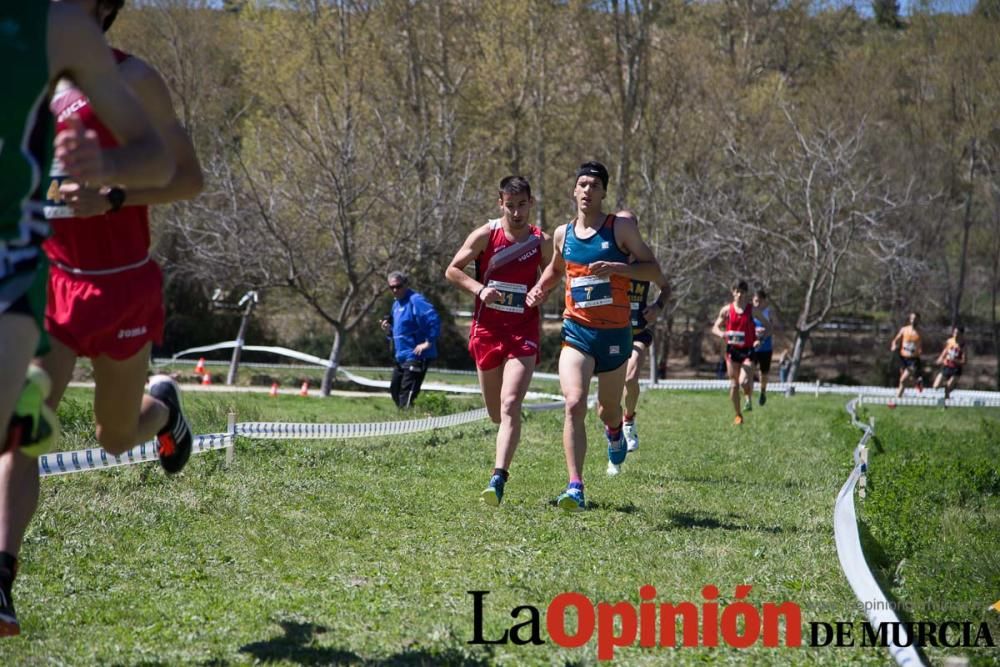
(852,557)
(307,358)
(845,522)
(63,463)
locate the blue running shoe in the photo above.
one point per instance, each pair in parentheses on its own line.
(493,493)
(617,449)
(572,499)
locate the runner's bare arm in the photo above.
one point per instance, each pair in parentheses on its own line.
(895,341)
(153,95)
(717,328)
(553,272)
(474,245)
(187,180)
(645,266)
(546,249)
(77,50)
(653,310)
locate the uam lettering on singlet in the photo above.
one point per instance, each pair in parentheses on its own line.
(530,253)
(131,333)
(72,109)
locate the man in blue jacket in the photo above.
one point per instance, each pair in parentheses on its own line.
(415,327)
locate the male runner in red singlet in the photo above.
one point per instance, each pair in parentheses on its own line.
(735,325)
(592,253)
(504,338)
(44,42)
(105,292)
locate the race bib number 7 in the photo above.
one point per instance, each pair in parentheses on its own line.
(590,291)
(513,296)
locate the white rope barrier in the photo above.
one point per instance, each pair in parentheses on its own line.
(274,430)
(304,357)
(63,463)
(852,556)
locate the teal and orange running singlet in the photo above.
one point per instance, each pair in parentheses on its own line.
(595,302)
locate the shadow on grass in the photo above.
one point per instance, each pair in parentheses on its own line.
(298,645)
(627,508)
(678,520)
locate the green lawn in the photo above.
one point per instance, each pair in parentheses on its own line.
(361,552)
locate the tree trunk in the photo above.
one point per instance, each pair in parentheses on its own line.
(331,370)
(664,349)
(801,338)
(995,282)
(996,338)
(697,335)
(956,308)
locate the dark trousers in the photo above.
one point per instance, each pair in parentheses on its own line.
(406,380)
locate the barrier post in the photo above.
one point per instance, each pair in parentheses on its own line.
(863,479)
(817,388)
(248,301)
(231,432)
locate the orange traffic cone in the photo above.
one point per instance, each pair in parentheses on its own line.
(199,369)
(305,389)
(206,378)
(274,389)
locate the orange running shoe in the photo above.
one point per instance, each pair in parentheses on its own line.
(739,420)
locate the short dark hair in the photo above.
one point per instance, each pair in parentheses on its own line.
(761,293)
(594,168)
(514,185)
(741,285)
(114,6)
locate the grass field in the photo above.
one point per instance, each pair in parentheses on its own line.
(361,552)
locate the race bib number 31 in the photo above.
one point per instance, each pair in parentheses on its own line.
(590,291)
(513,296)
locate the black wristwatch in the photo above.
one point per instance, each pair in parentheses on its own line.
(115,197)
